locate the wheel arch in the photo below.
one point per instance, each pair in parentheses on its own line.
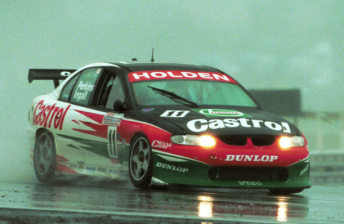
(41,130)
(137,134)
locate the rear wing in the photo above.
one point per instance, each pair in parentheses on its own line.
(49,74)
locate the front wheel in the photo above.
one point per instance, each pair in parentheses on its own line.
(141,162)
(45,157)
(285,191)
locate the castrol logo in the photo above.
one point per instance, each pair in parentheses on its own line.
(49,115)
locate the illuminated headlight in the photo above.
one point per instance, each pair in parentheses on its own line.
(203,140)
(291,141)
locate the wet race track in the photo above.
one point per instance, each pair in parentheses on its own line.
(99,201)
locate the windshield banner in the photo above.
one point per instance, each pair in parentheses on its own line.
(194,75)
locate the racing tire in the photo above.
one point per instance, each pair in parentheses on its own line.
(285,191)
(44,157)
(141,162)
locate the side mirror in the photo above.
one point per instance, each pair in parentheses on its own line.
(119,106)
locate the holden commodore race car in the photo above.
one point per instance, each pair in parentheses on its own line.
(164,124)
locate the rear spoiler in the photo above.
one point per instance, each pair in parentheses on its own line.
(49,74)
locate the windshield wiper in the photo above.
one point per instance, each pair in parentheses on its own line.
(176,98)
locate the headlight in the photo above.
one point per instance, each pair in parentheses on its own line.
(203,140)
(291,141)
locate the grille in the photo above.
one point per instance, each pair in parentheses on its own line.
(263,140)
(240,173)
(234,140)
(237,140)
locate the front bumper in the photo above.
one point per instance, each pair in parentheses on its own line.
(173,169)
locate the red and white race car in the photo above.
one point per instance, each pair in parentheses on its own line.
(164,123)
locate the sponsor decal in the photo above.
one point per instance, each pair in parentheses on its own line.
(101,169)
(80,96)
(64,73)
(199,125)
(73,166)
(113,171)
(253,158)
(49,115)
(190,75)
(81,163)
(304,170)
(175,113)
(171,167)
(91,168)
(148,109)
(111,120)
(254,183)
(85,88)
(160,144)
(81,167)
(220,113)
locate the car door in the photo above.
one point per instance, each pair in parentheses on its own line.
(76,95)
(103,155)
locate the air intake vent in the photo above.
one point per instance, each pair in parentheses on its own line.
(233,140)
(263,140)
(241,173)
(237,140)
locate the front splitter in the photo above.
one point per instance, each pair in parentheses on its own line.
(177,170)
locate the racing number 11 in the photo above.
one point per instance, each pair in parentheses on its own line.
(112,133)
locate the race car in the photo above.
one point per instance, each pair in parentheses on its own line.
(164,124)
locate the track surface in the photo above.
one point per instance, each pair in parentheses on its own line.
(91,201)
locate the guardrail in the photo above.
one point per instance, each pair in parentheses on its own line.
(327,167)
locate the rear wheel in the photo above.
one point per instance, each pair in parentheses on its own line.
(285,191)
(45,157)
(141,162)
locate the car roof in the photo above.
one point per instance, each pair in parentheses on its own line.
(147,66)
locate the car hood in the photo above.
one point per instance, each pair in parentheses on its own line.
(226,121)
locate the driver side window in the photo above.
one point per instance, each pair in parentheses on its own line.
(84,86)
(111,91)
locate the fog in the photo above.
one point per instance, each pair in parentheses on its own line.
(281,44)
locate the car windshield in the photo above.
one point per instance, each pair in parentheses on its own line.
(197,91)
